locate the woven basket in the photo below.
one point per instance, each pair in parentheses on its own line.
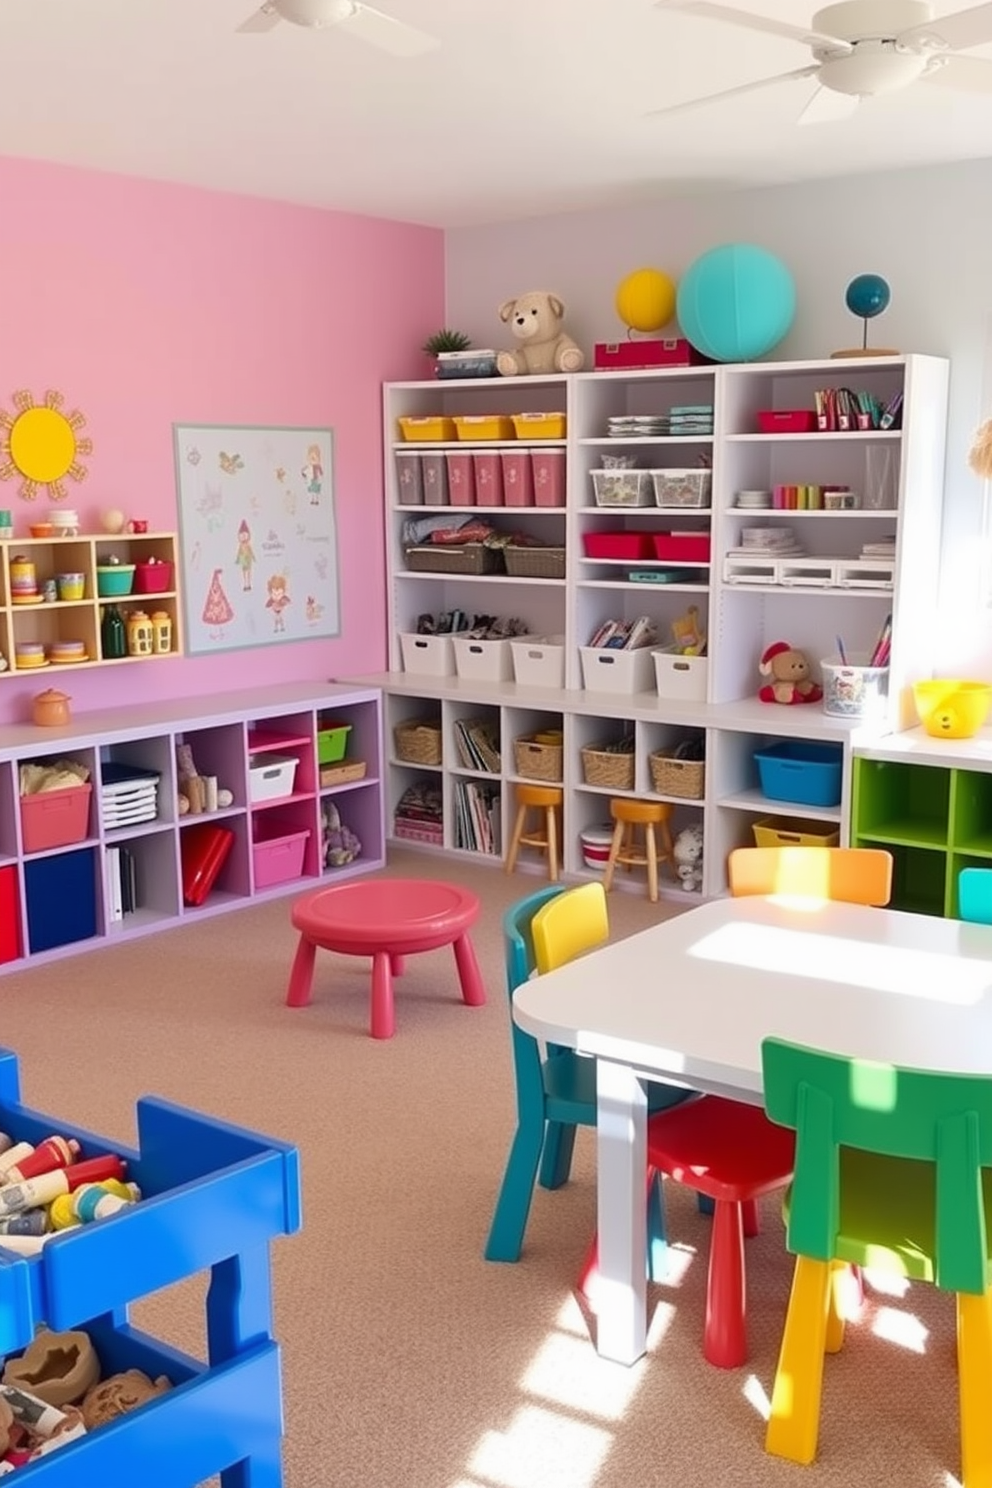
(418,742)
(536,761)
(534,563)
(606,767)
(457,558)
(677,777)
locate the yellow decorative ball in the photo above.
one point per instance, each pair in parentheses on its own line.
(645,300)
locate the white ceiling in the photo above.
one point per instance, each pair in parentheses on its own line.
(528,107)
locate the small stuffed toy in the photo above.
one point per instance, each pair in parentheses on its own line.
(535,319)
(789,673)
(120,1393)
(688,852)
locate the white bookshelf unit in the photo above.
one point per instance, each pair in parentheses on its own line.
(818,603)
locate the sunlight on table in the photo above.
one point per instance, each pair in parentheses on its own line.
(806,955)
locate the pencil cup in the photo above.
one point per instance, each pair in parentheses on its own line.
(853,689)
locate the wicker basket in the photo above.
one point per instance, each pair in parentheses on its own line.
(608,768)
(677,777)
(455,558)
(534,563)
(418,742)
(537,761)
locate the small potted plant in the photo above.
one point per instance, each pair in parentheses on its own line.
(453,357)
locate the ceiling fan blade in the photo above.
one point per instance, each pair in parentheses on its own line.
(751,22)
(963,74)
(827,106)
(953,33)
(384,31)
(693,103)
(263,19)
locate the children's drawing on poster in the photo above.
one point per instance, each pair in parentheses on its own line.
(257,535)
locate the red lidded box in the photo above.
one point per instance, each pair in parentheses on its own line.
(617,544)
(623,356)
(518,478)
(488,478)
(682,547)
(786,421)
(548,469)
(461,478)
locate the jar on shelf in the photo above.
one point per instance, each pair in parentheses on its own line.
(113,634)
(161,633)
(140,634)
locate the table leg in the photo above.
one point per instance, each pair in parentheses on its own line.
(473,989)
(301,974)
(383,1018)
(397,965)
(621,1157)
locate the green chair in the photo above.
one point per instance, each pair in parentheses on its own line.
(892,1171)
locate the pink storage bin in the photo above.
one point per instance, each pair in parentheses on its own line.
(518,480)
(461,479)
(488,478)
(55,818)
(279,859)
(548,473)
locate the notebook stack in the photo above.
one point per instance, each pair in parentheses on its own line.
(129,794)
(690,420)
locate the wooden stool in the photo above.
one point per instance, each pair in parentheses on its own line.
(546,798)
(629,815)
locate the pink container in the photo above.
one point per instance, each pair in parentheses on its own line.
(518,480)
(55,818)
(279,859)
(488,478)
(461,479)
(548,467)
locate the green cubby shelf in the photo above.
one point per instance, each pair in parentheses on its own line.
(901,804)
(971,812)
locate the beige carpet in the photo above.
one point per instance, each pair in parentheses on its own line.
(409,1362)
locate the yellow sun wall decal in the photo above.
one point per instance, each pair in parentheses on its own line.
(40,443)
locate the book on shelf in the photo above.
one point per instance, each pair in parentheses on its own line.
(477,818)
(477,741)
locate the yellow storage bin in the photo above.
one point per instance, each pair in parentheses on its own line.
(793,831)
(539,425)
(430,430)
(950,709)
(482,426)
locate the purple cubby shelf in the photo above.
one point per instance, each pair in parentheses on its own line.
(221,751)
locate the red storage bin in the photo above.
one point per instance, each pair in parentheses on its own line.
(152,578)
(518,479)
(461,478)
(682,547)
(548,470)
(55,818)
(10,915)
(488,478)
(786,421)
(618,544)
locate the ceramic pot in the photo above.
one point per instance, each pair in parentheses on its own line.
(50,708)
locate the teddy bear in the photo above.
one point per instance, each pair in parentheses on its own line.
(535,319)
(688,852)
(790,676)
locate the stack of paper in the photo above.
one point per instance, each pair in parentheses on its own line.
(129,794)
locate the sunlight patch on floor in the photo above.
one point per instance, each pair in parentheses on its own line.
(889,1283)
(903,1328)
(567,1371)
(755,1395)
(541,1449)
(678,1259)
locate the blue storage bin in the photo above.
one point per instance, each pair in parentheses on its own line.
(61,898)
(801,770)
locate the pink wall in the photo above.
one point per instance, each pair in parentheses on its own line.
(148,304)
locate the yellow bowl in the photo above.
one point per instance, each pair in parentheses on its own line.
(951,709)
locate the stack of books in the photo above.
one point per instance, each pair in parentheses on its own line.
(122,882)
(477,818)
(420,814)
(478,744)
(625,635)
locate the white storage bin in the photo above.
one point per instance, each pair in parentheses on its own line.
(430,656)
(482,661)
(678,676)
(604,670)
(270,776)
(539,662)
(680,487)
(623,487)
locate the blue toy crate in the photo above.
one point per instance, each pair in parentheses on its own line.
(213,1196)
(801,770)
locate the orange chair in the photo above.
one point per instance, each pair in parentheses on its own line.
(547,800)
(854,875)
(629,816)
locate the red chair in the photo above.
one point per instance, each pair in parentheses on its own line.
(730,1153)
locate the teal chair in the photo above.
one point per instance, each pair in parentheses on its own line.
(975,895)
(555,1094)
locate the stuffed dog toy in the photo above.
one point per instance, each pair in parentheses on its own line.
(535,320)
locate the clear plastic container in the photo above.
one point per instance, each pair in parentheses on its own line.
(853,689)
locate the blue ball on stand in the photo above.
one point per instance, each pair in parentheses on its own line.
(866,296)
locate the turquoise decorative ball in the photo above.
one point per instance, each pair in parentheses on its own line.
(867,296)
(736,302)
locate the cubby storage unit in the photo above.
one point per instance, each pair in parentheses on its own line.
(62,884)
(895,474)
(214,1196)
(151,586)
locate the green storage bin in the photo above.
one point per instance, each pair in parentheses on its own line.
(332,742)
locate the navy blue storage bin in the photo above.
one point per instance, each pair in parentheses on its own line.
(61,898)
(801,770)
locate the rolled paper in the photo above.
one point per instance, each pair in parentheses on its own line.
(6,1142)
(92,1201)
(24,1244)
(30,1222)
(47,1186)
(53,1152)
(14,1155)
(60,1213)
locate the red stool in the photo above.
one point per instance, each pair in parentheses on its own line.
(386,919)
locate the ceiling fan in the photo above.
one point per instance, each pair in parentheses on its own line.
(862,48)
(359,20)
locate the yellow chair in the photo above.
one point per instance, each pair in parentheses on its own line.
(568,926)
(644,816)
(855,875)
(546,799)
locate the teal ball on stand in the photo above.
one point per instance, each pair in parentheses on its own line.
(736,302)
(867,296)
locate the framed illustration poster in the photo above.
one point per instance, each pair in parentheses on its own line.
(257,535)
